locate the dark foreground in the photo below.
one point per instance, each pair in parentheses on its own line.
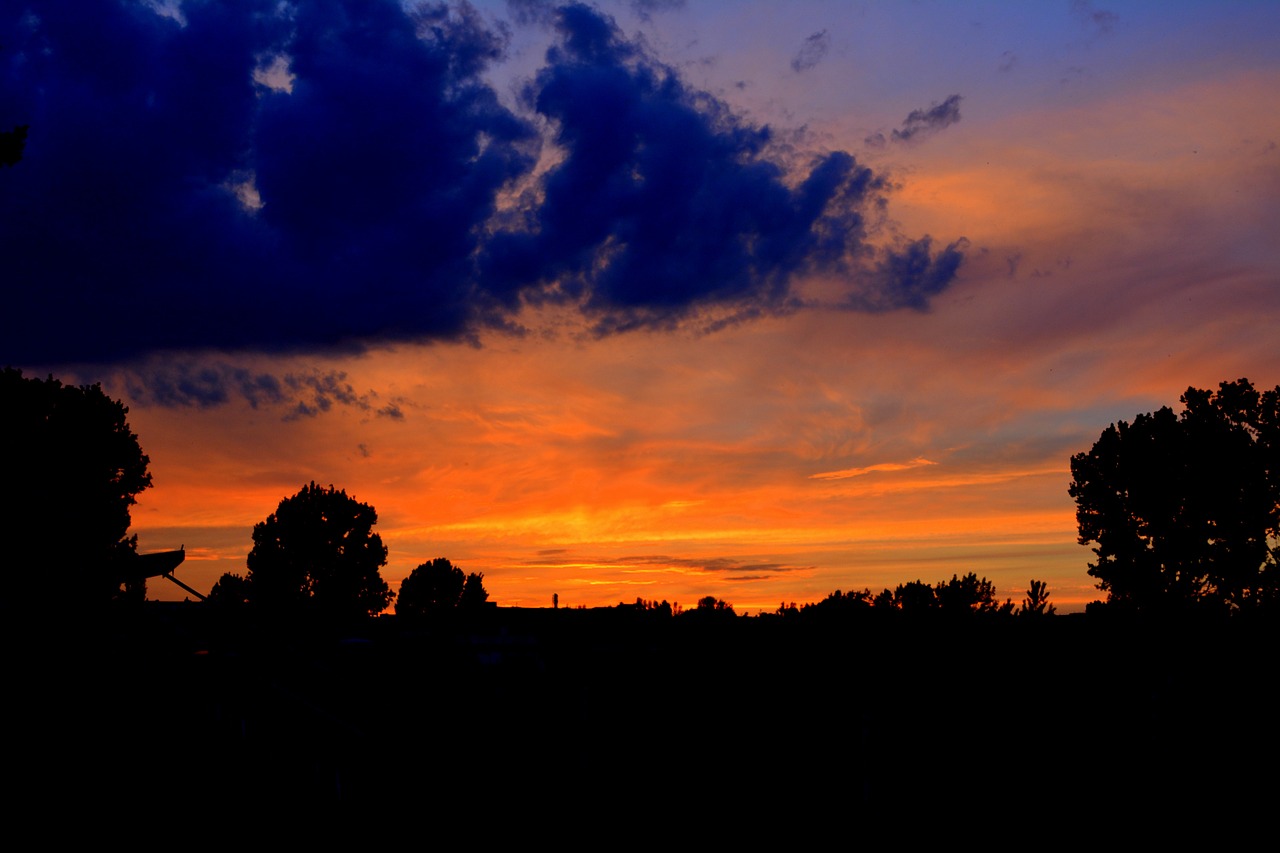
(542,719)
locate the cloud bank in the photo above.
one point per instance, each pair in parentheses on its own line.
(339,174)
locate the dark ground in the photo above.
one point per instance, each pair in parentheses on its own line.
(544,717)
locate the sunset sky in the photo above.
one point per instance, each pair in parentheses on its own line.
(653,299)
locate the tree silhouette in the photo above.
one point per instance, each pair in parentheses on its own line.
(1037,601)
(836,605)
(72,468)
(231,590)
(318,552)
(474,595)
(915,597)
(709,605)
(970,594)
(960,596)
(438,587)
(1182,507)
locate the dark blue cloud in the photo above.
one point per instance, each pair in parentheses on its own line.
(121,229)
(909,275)
(174,194)
(666,203)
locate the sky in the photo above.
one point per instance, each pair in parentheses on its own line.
(648,299)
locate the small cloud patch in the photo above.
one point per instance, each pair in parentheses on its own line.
(811,52)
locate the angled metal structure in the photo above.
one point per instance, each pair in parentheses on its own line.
(156,565)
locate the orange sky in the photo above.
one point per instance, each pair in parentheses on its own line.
(1120,210)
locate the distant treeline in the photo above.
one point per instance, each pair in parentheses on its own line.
(967,596)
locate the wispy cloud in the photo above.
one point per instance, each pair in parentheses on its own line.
(187,383)
(846,473)
(811,52)
(1100,21)
(646,9)
(665,564)
(921,124)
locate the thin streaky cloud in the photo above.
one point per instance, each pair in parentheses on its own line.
(846,473)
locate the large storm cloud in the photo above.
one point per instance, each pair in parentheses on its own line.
(329,174)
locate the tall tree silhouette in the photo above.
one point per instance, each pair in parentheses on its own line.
(317,552)
(72,467)
(1181,508)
